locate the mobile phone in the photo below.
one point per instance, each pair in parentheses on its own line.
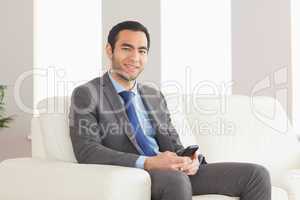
(189,151)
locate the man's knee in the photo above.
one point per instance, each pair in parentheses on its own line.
(260,175)
(171,185)
(178,185)
(178,179)
(258,185)
(261,172)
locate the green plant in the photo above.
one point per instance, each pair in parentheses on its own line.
(4,121)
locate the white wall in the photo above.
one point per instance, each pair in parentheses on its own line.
(261,49)
(16,57)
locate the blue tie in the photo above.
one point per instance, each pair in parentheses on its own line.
(141,139)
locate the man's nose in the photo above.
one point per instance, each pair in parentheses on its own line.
(135,56)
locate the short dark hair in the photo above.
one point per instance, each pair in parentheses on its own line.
(126,25)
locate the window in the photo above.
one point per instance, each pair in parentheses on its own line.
(295,23)
(67,45)
(196,44)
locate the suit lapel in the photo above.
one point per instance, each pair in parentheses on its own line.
(149,101)
(119,110)
(161,135)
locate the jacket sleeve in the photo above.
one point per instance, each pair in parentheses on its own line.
(86,134)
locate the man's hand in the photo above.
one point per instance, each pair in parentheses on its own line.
(170,161)
(191,165)
(165,161)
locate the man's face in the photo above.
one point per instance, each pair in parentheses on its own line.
(130,54)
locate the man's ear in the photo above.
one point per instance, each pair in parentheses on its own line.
(109,51)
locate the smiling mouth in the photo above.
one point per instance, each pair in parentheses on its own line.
(131,66)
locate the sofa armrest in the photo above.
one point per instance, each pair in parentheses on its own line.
(36,179)
(292,184)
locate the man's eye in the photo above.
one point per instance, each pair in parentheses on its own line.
(126,48)
(143,52)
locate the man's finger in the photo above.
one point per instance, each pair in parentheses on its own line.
(195,155)
(192,171)
(179,166)
(177,161)
(188,166)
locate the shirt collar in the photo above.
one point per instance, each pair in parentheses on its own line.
(119,88)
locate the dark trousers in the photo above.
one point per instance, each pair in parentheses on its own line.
(245,180)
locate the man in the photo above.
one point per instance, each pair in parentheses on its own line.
(115,120)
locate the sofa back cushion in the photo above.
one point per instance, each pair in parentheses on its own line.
(51,138)
(243,129)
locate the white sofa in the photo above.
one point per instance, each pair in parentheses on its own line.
(248,134)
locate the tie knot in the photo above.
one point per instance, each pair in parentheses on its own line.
(127,95)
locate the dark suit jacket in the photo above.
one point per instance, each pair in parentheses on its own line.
(100,130)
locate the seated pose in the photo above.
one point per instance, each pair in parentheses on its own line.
(116,120)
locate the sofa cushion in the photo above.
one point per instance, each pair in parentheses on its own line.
(214,197)
(277,194)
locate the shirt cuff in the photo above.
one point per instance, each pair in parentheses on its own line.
(140,162)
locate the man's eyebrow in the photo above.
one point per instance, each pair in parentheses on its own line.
(127,45)
(131,46)
(144,48)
